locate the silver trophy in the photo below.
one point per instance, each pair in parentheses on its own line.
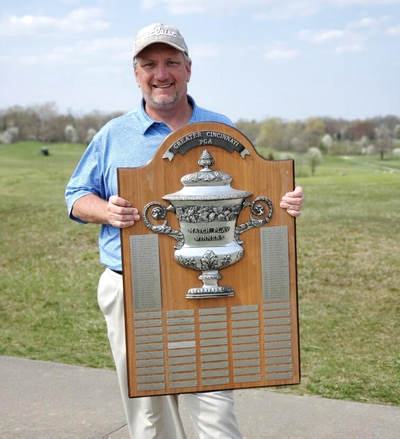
(207,208)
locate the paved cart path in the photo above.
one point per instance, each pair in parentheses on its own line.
(43,400)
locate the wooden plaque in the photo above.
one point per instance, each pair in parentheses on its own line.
(178,345)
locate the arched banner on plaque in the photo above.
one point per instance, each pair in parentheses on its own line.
(203,138)
(210,279)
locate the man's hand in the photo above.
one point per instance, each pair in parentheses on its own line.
(120,212)
(293,201)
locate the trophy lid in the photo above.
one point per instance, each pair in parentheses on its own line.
(207,184)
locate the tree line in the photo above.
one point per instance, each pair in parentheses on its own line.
(44,123)
(331,135)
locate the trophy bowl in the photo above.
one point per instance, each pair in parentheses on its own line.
(207,208)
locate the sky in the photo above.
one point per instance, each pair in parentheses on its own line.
(252,59)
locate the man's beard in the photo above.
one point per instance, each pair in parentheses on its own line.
(160,102)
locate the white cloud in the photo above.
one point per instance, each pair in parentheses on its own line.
(261,9)
(349,48)
(77,21)
(204,51)
(99,52)
(362,2)
(180,7)
(353,37)
(85,19)
(279,52)
(365,22)
(110,46)
(275,8)
(6,59)
(339,40)
(285,10)
(148,4)
(394,30)
(369,24)
(322,36)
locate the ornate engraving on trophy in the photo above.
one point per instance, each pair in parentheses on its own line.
(207,208)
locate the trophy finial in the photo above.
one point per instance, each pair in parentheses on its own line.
(206,159)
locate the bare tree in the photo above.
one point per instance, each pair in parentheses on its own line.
(89,136)
(314,158)
(383,140)
(313,132)
(271,134)
(70,133)
(250,127)
(396,131)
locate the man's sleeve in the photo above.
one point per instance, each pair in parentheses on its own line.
(86,178)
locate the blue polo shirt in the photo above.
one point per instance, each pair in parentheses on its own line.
(130,140)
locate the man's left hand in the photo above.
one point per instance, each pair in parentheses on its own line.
(293,201)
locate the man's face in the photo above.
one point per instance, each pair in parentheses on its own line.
(162,73)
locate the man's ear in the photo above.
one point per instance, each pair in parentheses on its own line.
(189,70)
(136,77)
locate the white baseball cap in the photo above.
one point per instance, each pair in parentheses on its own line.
(159,33)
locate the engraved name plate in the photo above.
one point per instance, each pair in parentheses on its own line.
(145,272)
(275,263)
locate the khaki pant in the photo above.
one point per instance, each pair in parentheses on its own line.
(157,417)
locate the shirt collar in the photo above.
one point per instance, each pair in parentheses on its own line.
(147,121)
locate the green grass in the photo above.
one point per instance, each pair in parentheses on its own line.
(349,278)
(48,264)
(348,268)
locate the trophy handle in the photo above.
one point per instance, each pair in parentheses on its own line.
(159,212)
(257,207)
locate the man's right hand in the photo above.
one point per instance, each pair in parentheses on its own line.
(117,211)
(120,212)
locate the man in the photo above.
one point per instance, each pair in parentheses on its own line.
(162,69)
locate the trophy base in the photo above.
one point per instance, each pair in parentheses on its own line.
(210,288)
(209,292)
